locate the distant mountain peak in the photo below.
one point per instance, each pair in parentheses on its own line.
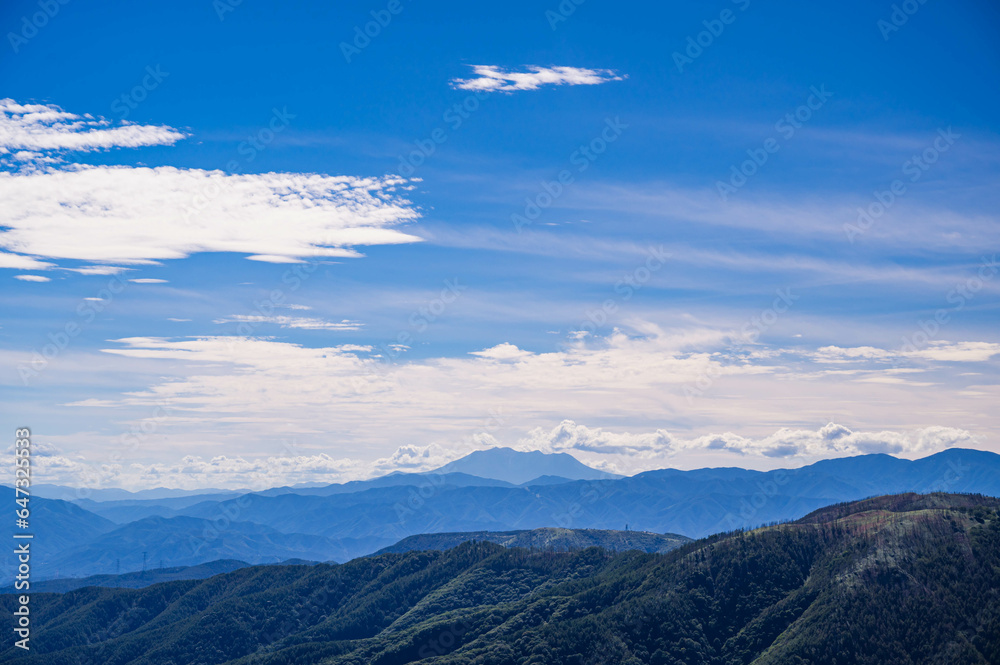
(517,467)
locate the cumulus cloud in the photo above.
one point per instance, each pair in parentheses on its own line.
(301,323)
(503,351)
(836,354)
(123,215)
(627,451)
(28,130)
(491,78)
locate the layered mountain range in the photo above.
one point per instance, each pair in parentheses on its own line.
(339,522)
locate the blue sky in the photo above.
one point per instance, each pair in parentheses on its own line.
(646,317)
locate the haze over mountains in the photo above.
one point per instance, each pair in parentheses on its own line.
(343,521)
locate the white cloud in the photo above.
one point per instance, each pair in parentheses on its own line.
(491,78)
(148,280)
(118,214)
(836,354)
(301,323)
(939,350)
(98,270)
(957,352)
(18,262)
(503,351)
(26,129)
(32,278)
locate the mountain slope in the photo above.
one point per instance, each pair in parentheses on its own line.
(891,581)
(552,539)
(454,479)
(186,541)
(136,580)
(57,526)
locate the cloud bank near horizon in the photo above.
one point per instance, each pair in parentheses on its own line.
(615,452)
(622,403)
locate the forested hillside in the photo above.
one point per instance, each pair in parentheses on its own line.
(897,580)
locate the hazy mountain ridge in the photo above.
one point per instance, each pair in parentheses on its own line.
(137,580)
(891,581)
(375,514)
(550,539)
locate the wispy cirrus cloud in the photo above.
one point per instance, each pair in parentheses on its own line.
(490,78)
(297,322)
(935,350)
